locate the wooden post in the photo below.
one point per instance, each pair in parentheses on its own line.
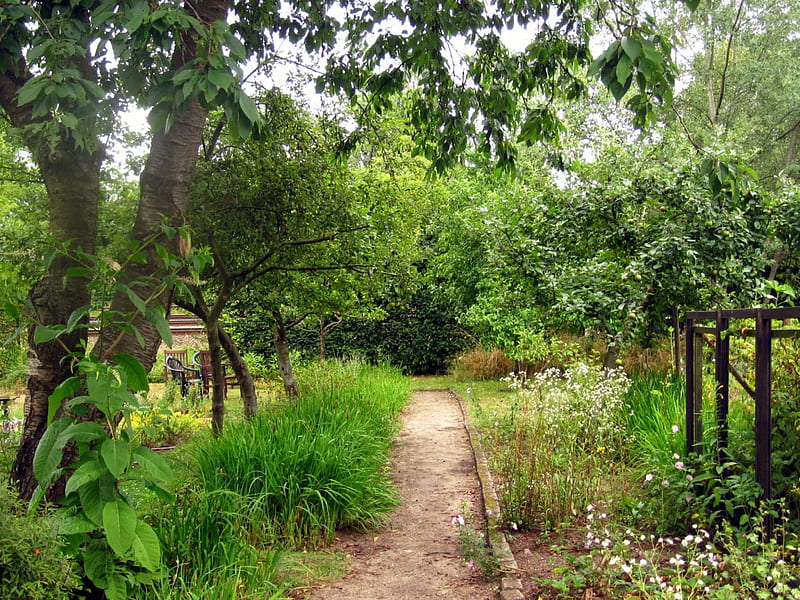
(763,417)
(694,388)
(721,361)
(689,385)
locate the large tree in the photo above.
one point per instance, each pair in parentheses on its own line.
(66,69)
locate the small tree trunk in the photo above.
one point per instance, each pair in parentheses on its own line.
(323,333)
(217,377)
(284,360)
(247,387)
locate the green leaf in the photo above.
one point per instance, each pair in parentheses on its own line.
(95,494)
(30,91)
(146,547)
(119,522)
(85,432)
(79,523)
(135,299)
(116,587)
(76,317)
(68,387)
(89,471)
(135,375)
(154,464)
(98,563)
(623,70)
(50,450)
(156,317)
(632,47)
(47,333)
(220,78)
(116,455)
(249,108)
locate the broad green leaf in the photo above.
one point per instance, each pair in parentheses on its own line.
(116,455)
(146,547)
(50,450)
(154,464)
(89,471)
(99,386)
(116,587)
(30,91)
(221,79)
(65,389)
(135,375)
(119,522)
(135,299)
(623,70)
(47,333)
(156,317)
(12,310)
(85,431)
(98,563)
(79,523)
(249,108)
(632,47)
(95,494)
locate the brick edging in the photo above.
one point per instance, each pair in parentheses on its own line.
(510,584)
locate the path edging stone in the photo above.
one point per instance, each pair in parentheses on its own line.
(510,583)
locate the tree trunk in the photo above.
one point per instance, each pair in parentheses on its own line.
(217,378)
(322,339)
(71,176)
(72,179)
(282,352)
(247,387)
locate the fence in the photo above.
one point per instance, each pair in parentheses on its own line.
(763,333)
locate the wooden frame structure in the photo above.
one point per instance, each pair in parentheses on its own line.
(763,333)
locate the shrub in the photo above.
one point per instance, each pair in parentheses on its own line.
(32,565)
(12,365)
(478,364)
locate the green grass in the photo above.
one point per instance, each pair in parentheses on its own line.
(286,480)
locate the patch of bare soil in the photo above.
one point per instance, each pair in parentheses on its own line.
(417,555)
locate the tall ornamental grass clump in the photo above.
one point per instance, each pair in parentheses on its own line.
(657,415)
(555,442)
(315,464)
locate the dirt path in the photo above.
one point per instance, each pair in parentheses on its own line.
(417,555)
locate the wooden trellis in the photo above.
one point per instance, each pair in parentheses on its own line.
(763,333)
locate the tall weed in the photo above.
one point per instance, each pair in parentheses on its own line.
(555,443)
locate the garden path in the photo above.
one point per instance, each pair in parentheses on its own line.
(417,554)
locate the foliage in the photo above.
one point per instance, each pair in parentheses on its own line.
(625,239)
(656,415)
(552,446)
(115,546)
(33,565)
(418,336)
(475,547)
(315,464)
(12,365)
(214,543)
(158,426)
(698,565)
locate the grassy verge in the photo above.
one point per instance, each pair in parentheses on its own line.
(281,482)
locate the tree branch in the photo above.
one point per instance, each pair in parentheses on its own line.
(725,67)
